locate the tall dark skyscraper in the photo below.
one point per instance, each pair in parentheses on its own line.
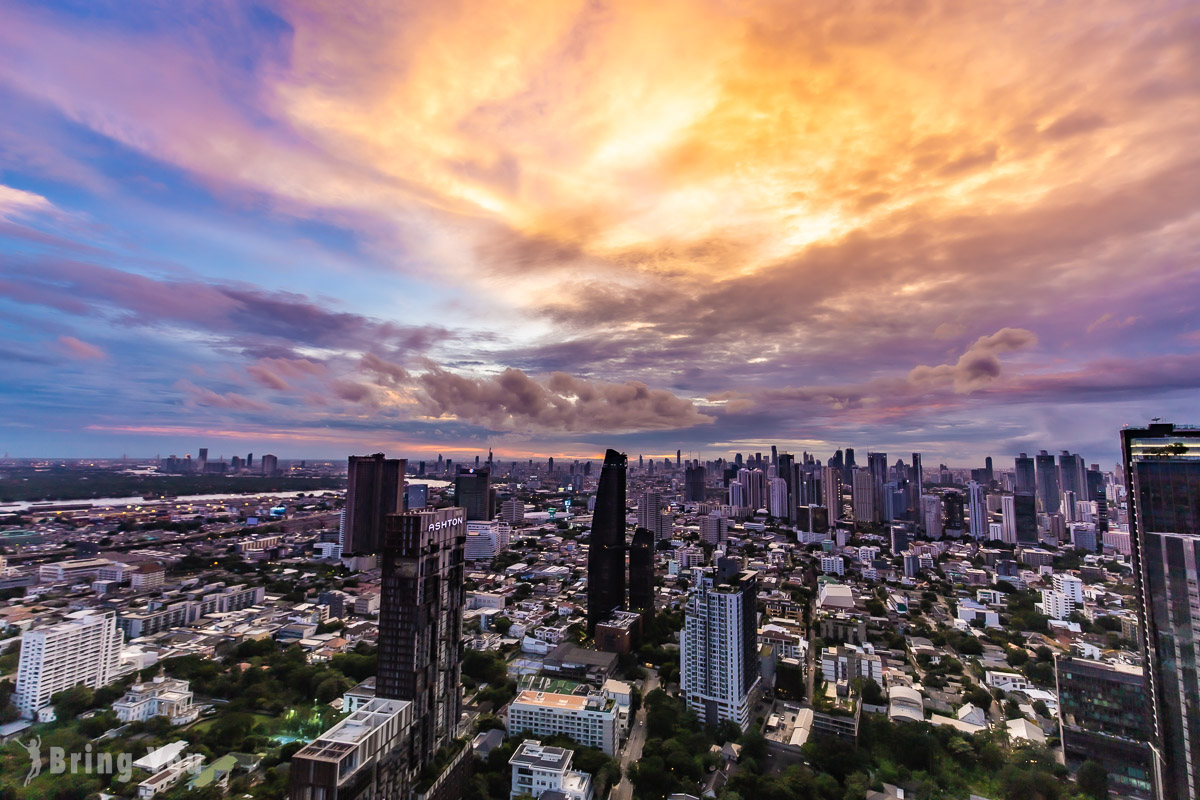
(473,493)
(1025,506)
(989,473)
(785,468)
(641,571)
(694,479)
(1104,715)
(1162,478)
(606,548)
(420,623)
(1024,481)
(375,489)
(1049,493)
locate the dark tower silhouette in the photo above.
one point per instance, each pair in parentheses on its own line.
(641,571)
(693,484)
(606,549)
(1024,482)
(420,623)
(375,489)
(473,493)
(989,474)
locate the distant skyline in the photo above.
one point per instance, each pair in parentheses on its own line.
(963,230)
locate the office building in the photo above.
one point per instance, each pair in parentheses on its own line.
(1025,477)
(1049,494)
(592,720)
(977,515)
(420,623)
(1103,712)
(606,548)
(877,466)
(83,650)
(641,571)
(473,493)
(512,511)
(1162,478)
(485,540)
(374,490)
(1072,474)
(831,485)
(538,770)
(270,465)
(719,672)
(694,483)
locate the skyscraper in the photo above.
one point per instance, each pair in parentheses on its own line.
(651,517)
(694,484)
(831,487)
(977,510)
(1025,509)
(719,672)
(916,485)
(641,571)
(1025,481)
(606,549)
(1049,495)
(877,464)
(1104,717)
(420,623)
(1072,475)
(270,464)
(863,488)
(473,493)
(375,489)
(1162,476)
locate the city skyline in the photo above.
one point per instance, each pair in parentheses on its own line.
(644,228)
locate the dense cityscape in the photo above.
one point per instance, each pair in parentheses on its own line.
(772,624)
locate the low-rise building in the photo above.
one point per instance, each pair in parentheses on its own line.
(537,769)
(591,720)
(161,697)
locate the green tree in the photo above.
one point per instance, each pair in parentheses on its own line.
(1093,780)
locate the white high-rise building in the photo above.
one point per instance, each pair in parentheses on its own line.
(833,565)
(1057,605)
(1069,585)
(719,668)
(778,503)
(977,517)
(931,515)
(83,650)
(831,489)
(1008,525)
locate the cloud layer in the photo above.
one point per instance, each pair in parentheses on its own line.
(679,224)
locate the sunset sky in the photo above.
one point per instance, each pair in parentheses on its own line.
(550,228)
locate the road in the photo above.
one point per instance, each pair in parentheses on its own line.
(637,739)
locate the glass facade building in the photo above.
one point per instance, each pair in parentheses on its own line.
(606,547)
(1162,474)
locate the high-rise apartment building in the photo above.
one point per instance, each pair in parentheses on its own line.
(719,669)
(931,515)
(606,548)
(712,528)
(777,498)
(375,490)
(877,464)
(420,623)
(1025,508)
(473,493)
(1102,709)
(863,488)
(977,516)
(1162,478)
(651,517)
(83,650)
(270,465)
(512,511)
(831,487)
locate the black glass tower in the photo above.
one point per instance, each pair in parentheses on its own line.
(606,548)
(1162,479)
(473,493)
(420,623)
(641,571)
(375,489)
